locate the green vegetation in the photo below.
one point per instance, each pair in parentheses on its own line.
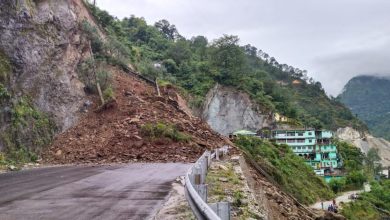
(287,169)
(371,205)
(196,65)
(28,125)
(4,94)
(108,51)
(358,168)
(5,67)
(367,97)
(161,130)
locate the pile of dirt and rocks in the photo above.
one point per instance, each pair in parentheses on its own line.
(114,134)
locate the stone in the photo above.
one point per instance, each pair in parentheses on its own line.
(223,179)
(235,158)
(222,167)
(58,152)
(137,137)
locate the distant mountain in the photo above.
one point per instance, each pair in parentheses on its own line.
(369,98)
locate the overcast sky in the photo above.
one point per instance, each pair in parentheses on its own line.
(333,39)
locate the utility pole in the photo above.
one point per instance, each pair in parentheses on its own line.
(94,2)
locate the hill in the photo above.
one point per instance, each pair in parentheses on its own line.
(68,95)
(195,65)
(368,97)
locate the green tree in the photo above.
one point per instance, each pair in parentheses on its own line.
(228,58)
(167,29)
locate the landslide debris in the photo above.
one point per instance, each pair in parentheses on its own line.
(116,134)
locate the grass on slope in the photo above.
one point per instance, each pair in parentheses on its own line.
(287,169)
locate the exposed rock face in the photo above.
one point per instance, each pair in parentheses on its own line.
(41,39)
(226,110)
(365,142)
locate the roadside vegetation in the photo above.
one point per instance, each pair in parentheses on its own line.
(225,184)
(286,169)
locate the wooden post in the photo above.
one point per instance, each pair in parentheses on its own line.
(157,88)
(100,92)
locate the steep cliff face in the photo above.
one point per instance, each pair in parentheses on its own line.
(41,45)
(227,110)
(365,142)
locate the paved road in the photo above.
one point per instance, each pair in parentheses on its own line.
(342,198)
(134,191)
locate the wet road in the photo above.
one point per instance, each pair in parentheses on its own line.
(134,191)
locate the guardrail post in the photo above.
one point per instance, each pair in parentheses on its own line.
(203,191)
(222,209)
(217,154)
(204,166)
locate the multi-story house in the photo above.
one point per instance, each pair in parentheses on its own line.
(315,146)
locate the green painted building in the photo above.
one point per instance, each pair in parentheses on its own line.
(315,146)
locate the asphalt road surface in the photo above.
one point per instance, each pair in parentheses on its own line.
(134,191)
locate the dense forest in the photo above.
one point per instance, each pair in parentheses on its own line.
(368,97)
(195,65)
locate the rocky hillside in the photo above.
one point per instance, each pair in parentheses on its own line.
(53,56)
(368,97)
(364,141)
(40,91)
(227,110)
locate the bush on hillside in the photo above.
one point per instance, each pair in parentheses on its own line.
(166,130)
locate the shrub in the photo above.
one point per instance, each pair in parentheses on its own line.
(161,129)
(355,179)
(337,185)
(4,94)
(104,78)
(109,93)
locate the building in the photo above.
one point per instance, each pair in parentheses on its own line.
(280,118)
(315,146)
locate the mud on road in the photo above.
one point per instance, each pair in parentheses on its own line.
(133,191)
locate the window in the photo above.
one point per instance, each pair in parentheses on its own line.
(310,140)
(290,141)
(299,147)
(301,140)
(290,134)
(309,133)
(300,134)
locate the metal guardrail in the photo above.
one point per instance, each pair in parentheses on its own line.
(196,189)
